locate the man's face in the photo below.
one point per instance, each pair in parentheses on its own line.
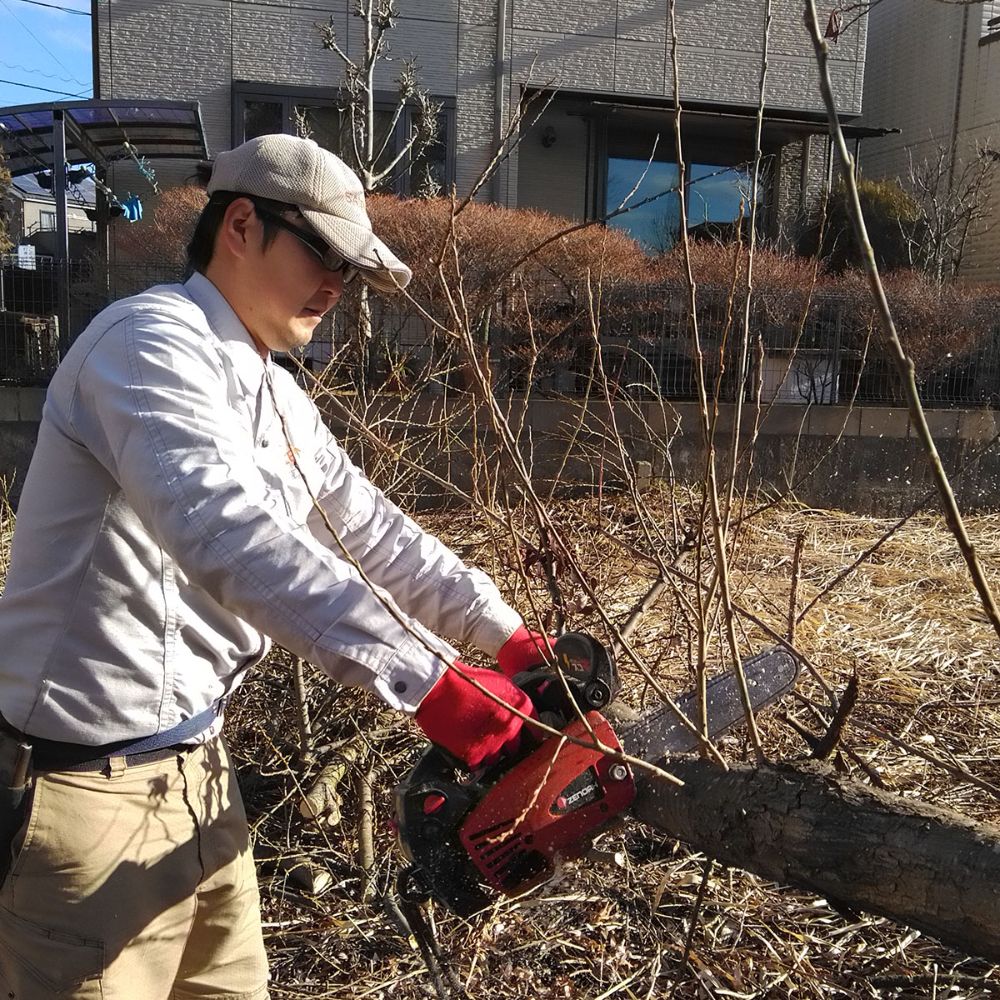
(286,289)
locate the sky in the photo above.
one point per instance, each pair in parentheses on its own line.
(44,47)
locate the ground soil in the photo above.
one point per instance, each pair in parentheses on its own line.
(651,918)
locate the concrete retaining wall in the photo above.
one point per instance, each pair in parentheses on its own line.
(20,413)
(865,459)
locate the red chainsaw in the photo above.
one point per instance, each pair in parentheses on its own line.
(501,830)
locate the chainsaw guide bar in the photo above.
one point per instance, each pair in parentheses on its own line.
(658,734)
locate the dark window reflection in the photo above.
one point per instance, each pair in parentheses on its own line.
(331,127)
(261,118)
(715,195)
(328,126)
(429,171)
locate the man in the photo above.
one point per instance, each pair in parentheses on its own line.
(184,501)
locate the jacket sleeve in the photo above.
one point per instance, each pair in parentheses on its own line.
(423,575)
(146,404)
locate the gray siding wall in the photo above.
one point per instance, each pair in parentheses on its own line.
(194,49)
(979,123)
(921,79)
(552,177)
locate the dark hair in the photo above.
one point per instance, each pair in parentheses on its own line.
(202,244)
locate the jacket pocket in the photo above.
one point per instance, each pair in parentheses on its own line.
(37,963)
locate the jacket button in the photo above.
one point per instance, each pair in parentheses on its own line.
(399,687)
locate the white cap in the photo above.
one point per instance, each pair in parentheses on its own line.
(323,188)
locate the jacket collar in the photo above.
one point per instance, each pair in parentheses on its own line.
(226,325)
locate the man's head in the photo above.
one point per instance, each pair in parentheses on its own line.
(284,228)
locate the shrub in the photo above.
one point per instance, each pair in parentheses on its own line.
(488,247)
(716,264)
(938,323)
(161,238)
(522,280)
(540,300)
(888,211)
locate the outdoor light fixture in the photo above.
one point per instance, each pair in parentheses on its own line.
(74,175)
(548,136)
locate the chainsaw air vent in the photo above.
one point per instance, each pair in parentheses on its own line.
(506,859)
(548,805)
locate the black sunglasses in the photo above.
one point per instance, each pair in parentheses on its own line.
(328,257)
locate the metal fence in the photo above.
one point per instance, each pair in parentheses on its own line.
(822,351)
(30,342)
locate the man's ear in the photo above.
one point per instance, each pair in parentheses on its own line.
(240,229)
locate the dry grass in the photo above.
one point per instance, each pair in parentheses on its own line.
(907,620)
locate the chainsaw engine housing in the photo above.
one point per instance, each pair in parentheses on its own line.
(549,805)
(471,836)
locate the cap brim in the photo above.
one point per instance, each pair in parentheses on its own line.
(377,264)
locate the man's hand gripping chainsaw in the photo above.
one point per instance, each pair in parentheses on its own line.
(501,830)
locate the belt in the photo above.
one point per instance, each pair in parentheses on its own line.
(41,761)
(54,755)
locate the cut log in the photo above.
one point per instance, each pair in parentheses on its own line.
(322,803)
(804,825)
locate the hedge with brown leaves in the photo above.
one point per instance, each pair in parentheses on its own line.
(523,266)
(161,238)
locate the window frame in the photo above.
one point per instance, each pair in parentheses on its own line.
(696,150)
(289,96)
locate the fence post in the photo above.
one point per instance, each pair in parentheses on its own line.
(62,226)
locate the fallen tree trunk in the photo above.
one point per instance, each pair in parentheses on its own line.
(807,826)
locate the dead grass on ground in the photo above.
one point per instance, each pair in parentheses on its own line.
(907,621)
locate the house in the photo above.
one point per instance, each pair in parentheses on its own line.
(934,71)
(605,69)
(28,289)
(33,213)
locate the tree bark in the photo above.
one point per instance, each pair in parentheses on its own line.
(807,826)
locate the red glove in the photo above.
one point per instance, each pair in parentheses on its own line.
(468,724)
(523,650)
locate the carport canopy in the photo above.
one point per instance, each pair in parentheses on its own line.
(41,137)
(100,132)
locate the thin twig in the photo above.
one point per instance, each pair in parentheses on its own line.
(904,364)
(793,590)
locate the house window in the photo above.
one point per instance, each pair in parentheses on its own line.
(261,118)
(46,221)
(717,200)
(638,161)
(262,110)
(991,21)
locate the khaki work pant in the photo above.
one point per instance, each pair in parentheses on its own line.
(137,884)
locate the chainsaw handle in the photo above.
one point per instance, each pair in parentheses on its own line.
(588,669)
(600,682)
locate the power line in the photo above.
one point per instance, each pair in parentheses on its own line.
(82,83)
(48,90)
(36,72)
(55,6)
